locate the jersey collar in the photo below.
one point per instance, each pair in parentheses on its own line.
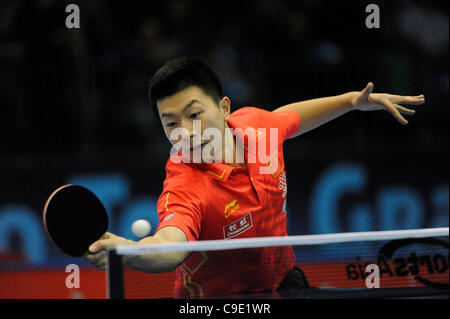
(218,171)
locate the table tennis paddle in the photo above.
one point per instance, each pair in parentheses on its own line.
(73,219)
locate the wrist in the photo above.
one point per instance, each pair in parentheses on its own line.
(127,260)
(349,100)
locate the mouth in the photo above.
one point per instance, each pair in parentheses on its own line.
(200,145)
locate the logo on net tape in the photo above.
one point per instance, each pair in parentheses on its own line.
(238,227)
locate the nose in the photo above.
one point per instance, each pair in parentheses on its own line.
(189,133)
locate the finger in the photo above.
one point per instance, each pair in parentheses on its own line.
(364,95)
(393,110)
(94,258)
(404,110)
(98,245)
(98,263)
(103,244)
(108,235)
(94,247)
(101,264)
(368,89)
(411,100)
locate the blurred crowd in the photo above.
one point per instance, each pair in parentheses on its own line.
(83,92)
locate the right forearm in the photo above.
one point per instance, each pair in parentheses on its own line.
(154,263)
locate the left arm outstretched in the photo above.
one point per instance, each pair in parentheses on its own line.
(316,112)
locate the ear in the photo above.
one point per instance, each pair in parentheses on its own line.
(225,106)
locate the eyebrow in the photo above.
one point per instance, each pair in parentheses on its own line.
(184,109)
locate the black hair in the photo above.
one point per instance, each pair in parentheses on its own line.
(181,73)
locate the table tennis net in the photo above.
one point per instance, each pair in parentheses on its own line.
(224,268)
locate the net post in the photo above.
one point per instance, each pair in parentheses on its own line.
(114,273)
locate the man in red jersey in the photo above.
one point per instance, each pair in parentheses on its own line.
(226,179)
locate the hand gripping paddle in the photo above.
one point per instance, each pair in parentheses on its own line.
(74,218)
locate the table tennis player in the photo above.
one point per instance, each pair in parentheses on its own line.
(222,196)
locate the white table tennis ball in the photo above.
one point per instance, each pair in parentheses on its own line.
(141,228)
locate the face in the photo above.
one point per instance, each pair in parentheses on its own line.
(180,110)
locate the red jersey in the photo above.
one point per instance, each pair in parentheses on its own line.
(219,201)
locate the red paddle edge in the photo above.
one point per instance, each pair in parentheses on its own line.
(44,215)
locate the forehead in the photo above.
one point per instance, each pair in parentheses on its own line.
(176,103)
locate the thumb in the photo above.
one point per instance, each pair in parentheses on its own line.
(364,94)
(367,91)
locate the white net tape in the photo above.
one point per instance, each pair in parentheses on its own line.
(209,245)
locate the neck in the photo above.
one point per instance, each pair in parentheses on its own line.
(232,155)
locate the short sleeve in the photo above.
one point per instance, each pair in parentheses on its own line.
(179,205)
(287,122)
(174,210)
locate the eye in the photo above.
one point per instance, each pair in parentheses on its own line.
(194,115)
(171,124)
